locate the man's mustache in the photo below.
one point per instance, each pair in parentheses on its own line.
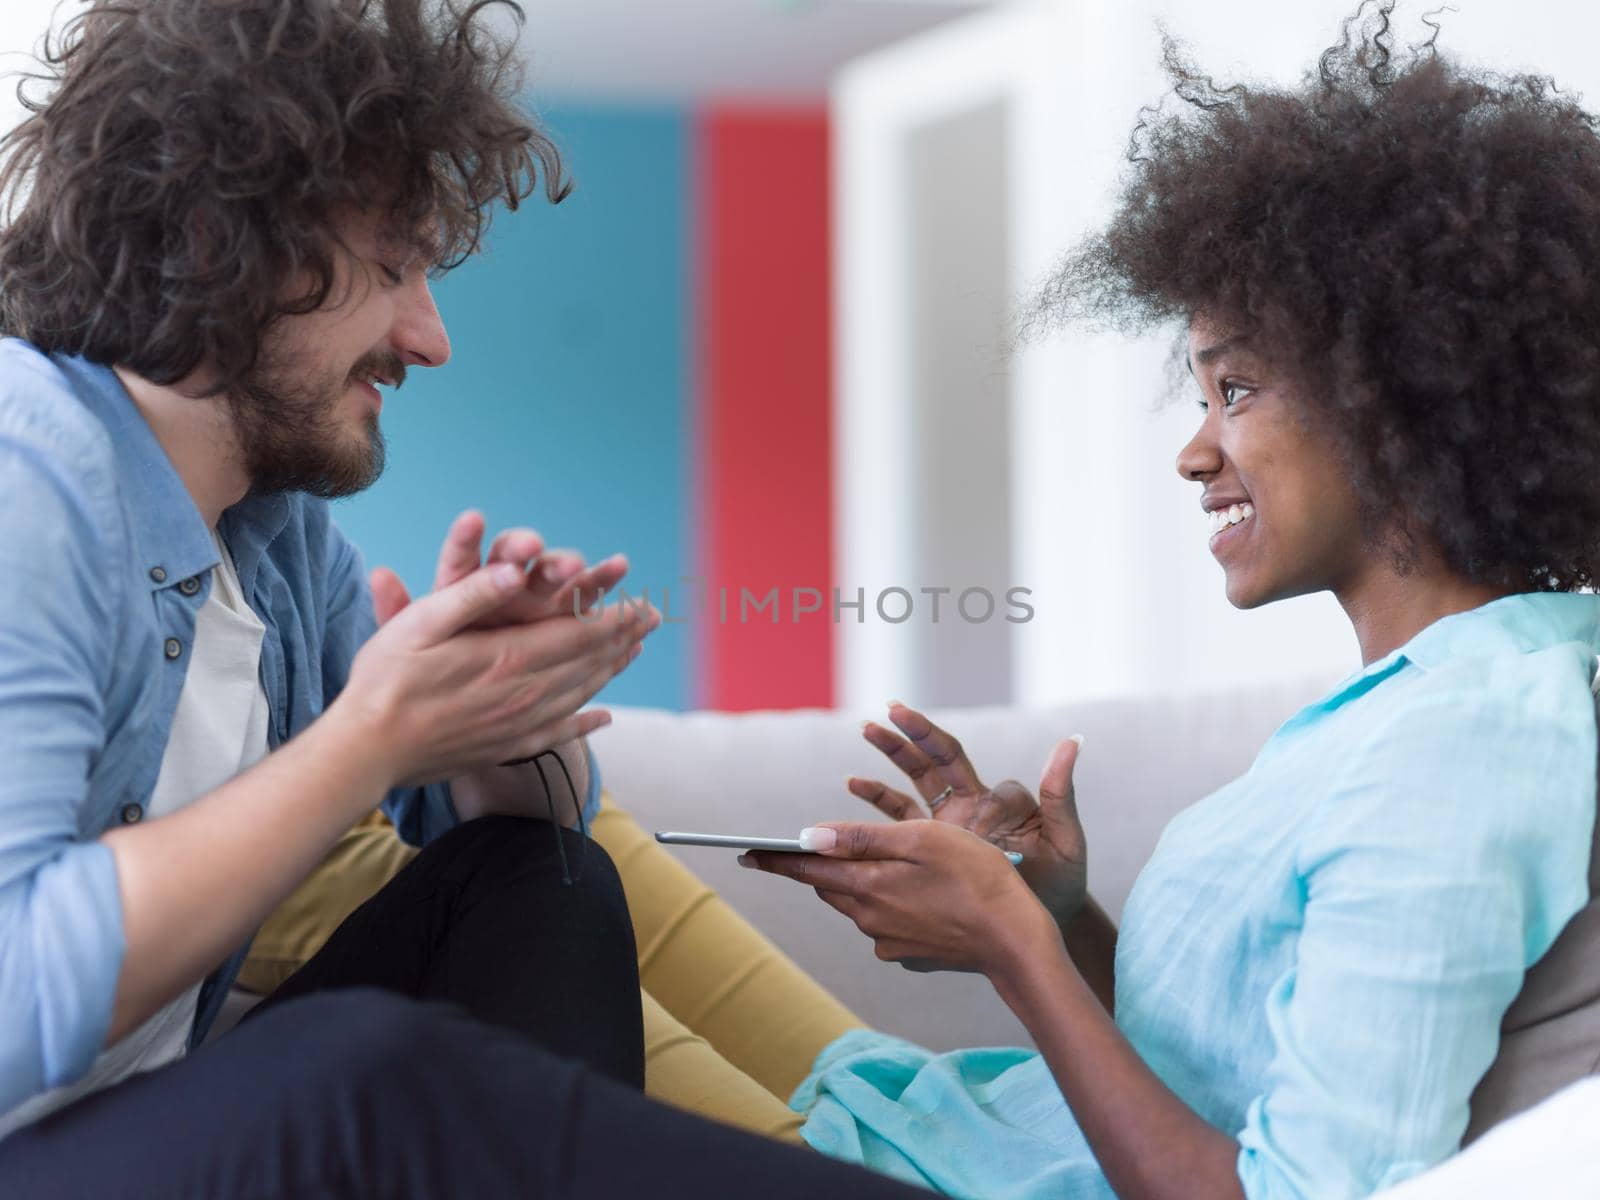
(382,363)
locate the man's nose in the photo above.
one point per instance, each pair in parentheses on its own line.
(419,335)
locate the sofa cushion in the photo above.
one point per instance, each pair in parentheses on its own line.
(1551,1033)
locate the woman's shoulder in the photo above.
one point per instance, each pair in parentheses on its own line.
(1466,751)
(1470,705)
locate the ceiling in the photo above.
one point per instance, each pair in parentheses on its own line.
(698,49)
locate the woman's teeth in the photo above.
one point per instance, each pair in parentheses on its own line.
(1223,517)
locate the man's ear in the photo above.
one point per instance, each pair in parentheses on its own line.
(389,595)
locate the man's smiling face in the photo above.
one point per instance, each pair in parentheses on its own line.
(1288,520)
(308,415)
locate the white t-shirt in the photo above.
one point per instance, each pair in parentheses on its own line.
(218,730)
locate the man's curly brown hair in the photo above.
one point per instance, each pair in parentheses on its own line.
(1416,246)
(192,156)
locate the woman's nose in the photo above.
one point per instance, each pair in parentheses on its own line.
(1201,456)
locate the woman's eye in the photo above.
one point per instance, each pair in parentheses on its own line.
(1228,389)
(389,273)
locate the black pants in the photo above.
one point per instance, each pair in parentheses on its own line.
(472,1031)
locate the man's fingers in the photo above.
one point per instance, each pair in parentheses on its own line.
(389,595)
(450,610)
(582,646)
(550,573)
(578,725)
(586,589)
(459,555)
(574,673)
(945,752)
(884,798)
(520,546)
(1055,785)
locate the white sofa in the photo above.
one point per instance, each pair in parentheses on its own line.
(771,773)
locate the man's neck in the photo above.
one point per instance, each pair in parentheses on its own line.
(198,437)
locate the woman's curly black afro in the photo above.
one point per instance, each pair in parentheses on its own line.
(1416,246)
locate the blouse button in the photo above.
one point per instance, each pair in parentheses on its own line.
(173,648)
(158,574)
(190,585)
(132,814)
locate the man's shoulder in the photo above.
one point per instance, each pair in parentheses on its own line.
(43,414)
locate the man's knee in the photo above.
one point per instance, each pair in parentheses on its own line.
(371,1083)
(497,851)
(359,1035)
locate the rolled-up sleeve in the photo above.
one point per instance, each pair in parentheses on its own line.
(1440,866)
(61,934)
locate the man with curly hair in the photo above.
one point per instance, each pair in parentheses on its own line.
(222,222)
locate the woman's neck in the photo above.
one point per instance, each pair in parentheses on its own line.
(1388,609)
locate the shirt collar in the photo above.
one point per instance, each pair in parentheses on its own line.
(1516,624)
(249,528)
(171,536)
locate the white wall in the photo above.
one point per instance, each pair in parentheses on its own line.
(1101,526)
(22,27)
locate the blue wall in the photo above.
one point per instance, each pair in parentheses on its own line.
(566,401)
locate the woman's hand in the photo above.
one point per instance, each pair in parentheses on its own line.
(931,896)
(1046,832)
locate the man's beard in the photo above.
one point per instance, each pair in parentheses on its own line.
(292,436)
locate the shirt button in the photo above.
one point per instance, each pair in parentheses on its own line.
(173,647)
(158,574)
(190,585)
(132,814)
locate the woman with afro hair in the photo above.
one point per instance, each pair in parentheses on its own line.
(1389,283)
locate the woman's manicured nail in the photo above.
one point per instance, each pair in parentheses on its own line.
(744,860)
(1078,737)
(813,838)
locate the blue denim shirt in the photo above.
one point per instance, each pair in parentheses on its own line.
(104,563)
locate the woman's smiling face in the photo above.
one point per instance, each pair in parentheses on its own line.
(1255,450)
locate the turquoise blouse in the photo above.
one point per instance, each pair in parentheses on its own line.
(1318,955)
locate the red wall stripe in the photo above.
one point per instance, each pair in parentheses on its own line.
(764,494)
